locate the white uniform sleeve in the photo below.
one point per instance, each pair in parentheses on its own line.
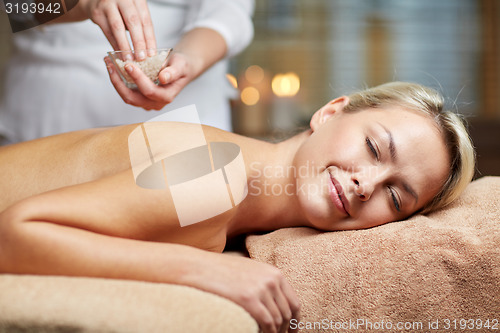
(232,19)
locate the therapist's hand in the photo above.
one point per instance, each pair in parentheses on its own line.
(173,78)
(197,51)
(114,17)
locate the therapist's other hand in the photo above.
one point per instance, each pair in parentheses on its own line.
(114,17)
(180,71)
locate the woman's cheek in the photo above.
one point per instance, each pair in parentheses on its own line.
(376,215)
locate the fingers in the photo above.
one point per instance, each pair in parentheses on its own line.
(117,27)
(147,26)
(138,22)
(115,17)
(148,95)
(159,95)
(292,300)
(260,312)
(108,17)
(259,288)
(129,96)
(115,78)
(100,17)
(133,23)
(144,84)
(277,305)
(285,311)
(288,305)
(274,320)
(177,68)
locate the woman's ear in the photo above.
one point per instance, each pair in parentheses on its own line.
(325,112)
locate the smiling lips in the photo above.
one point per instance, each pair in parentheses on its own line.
(337,195)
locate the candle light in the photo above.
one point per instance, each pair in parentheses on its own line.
(285,112)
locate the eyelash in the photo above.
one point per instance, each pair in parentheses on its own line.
(372,149)
(394,199)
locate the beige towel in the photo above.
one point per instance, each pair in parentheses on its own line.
(66,304)
(434,270)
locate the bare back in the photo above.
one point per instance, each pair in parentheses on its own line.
(37,166)
(84,179)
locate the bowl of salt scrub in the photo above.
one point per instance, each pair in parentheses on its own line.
(151,65)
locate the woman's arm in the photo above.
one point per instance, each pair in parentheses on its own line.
(33,247)
(97,229)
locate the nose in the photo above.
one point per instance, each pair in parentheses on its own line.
(366,180)
(364,191)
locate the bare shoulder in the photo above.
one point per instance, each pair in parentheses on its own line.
(55,162)
(157,140)
(36,166)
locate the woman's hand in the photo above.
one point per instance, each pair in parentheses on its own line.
(259,288)
(114,17)
(179,72)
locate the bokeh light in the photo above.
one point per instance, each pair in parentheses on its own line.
(254,74)
(286,85)
(250,96)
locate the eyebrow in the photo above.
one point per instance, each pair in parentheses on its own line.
(392,146)
(393,151)
(410,190)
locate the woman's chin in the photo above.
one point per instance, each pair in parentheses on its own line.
(320,215)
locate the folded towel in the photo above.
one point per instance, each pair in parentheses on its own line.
(69,304)
(434,270)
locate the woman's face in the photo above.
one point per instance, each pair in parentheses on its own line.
(366,168)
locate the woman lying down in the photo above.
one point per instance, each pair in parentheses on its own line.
(70,204)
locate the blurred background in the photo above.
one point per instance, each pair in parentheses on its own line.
(307,52)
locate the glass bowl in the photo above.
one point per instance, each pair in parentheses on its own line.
(151,66)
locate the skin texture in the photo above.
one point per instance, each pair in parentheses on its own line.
(69,203)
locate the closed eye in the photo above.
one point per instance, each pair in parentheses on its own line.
(371,147)
(394,199)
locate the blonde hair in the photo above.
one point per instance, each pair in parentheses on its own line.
(419,98)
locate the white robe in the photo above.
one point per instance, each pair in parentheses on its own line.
(56,79)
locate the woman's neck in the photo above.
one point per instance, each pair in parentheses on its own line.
(271,202)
